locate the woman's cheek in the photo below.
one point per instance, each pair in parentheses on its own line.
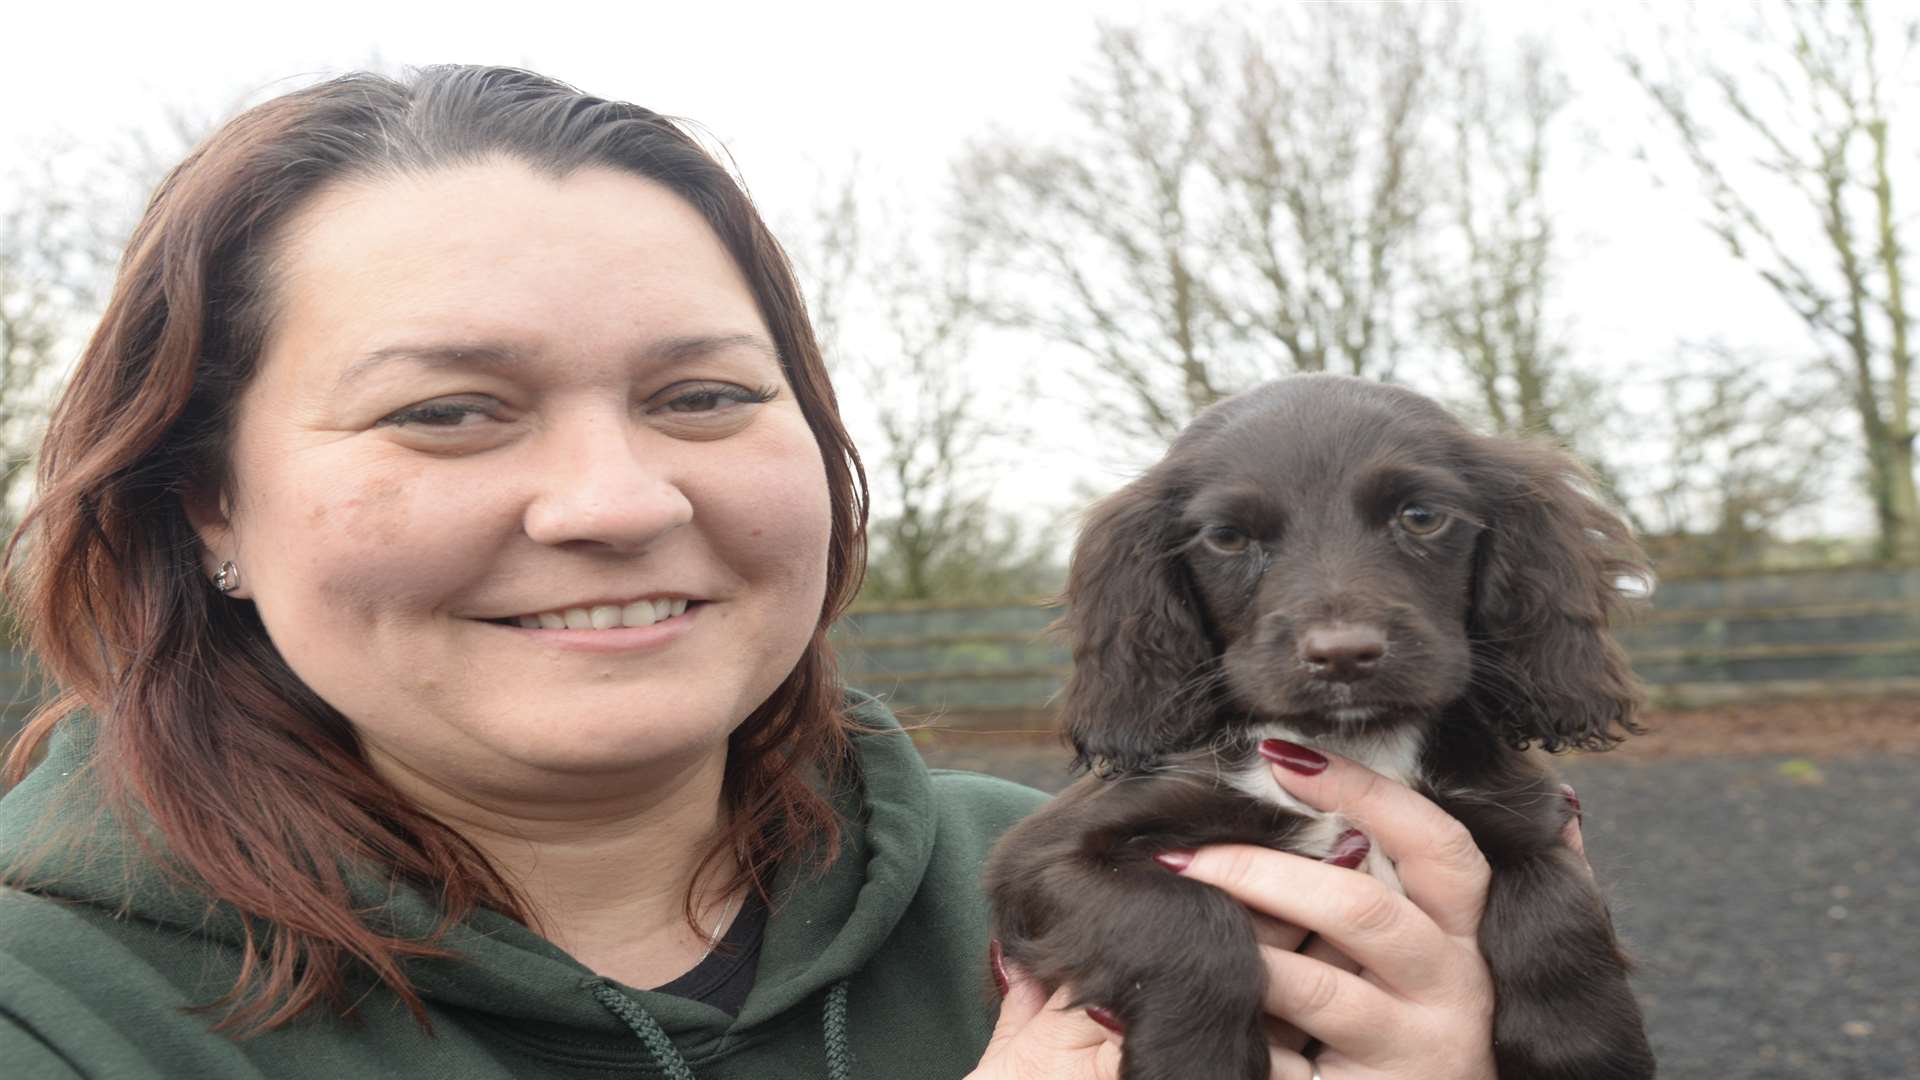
(371,551)
(797,525)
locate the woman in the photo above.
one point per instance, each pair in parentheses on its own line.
(437,544)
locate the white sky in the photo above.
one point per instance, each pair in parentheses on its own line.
(792,87)
(897,80)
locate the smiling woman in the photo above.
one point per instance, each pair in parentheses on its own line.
(452,504)
(436,547)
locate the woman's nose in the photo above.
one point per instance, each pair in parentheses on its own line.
(602,487)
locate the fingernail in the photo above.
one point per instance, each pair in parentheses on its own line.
(1293,756)
(997,965)
(1106,1019)
(1350,850)
(1176,860)
(1572,800)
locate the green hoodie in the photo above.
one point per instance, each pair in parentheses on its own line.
(874,969)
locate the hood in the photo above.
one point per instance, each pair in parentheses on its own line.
(825,924)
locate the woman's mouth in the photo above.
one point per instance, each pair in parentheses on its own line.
(645,612)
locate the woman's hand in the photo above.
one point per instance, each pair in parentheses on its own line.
(1042,1038)
(1421,1005)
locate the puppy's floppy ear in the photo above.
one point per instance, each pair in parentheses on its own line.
(1549,578)
(1140,643)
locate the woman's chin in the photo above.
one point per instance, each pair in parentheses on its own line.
(632,747)
(552,764)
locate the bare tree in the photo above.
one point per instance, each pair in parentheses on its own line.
(1104,244)
(1747,456)
(896,317)
(58,240)
(1811,109)
(1236,207)
(1320,154)
(65,216)
(1491,267)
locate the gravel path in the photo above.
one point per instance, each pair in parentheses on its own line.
(1772,900)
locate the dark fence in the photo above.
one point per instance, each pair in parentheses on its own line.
(1704,641)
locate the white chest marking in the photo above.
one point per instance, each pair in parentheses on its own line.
(1393,754)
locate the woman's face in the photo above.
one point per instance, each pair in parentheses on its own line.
(520,487)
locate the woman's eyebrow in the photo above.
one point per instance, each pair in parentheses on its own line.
(485,354)
(470,355)
(694,346)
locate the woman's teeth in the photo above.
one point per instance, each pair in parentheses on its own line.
(605,616)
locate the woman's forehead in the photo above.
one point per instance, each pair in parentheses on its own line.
(496,212)
(500,258)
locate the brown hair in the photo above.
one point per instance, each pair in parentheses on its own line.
(255,786)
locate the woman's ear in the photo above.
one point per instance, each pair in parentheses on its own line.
(1140,646)
(210,513)
(1554,568)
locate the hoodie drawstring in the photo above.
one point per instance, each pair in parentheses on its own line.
(833,1023)
(833,1027)
(642,1023)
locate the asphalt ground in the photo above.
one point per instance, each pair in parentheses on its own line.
(1771,900)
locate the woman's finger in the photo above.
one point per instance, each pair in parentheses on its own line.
(1337,1007)
(1020,996)
(1052,1042)
(1570,833)
(1060,1027)
(1030,1014)
(1318,948)
(1275,934)
(1327,953)
(1284,1036)
(1440,866)
(1365,919)
(1286,937)
(1287,1064)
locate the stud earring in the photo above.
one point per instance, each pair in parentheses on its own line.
(228,579)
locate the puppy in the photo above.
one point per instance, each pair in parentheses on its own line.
(1339,564)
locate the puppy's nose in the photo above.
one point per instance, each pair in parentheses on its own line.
(1343,652)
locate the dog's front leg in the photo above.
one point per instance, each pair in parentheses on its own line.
(1078,901)
(1174,960)
(1563,1010)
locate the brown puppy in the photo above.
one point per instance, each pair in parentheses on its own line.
(1340,564)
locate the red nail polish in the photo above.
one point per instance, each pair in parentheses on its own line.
(1106,1019)
(1350,850)
(1176,860)
(1293,756)
(997,965)
(1572,800)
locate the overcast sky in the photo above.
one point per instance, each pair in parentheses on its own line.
(792,88)
(899,81)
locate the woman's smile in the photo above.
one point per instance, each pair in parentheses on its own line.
(593,615)
(639,626)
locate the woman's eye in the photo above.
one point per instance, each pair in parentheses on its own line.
(443,413)
(1421,521)
(713,397)
(1225,539)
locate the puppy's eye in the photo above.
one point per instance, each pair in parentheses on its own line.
(1418,520)
(1224,539)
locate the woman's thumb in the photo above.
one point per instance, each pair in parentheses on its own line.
(1021,997)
